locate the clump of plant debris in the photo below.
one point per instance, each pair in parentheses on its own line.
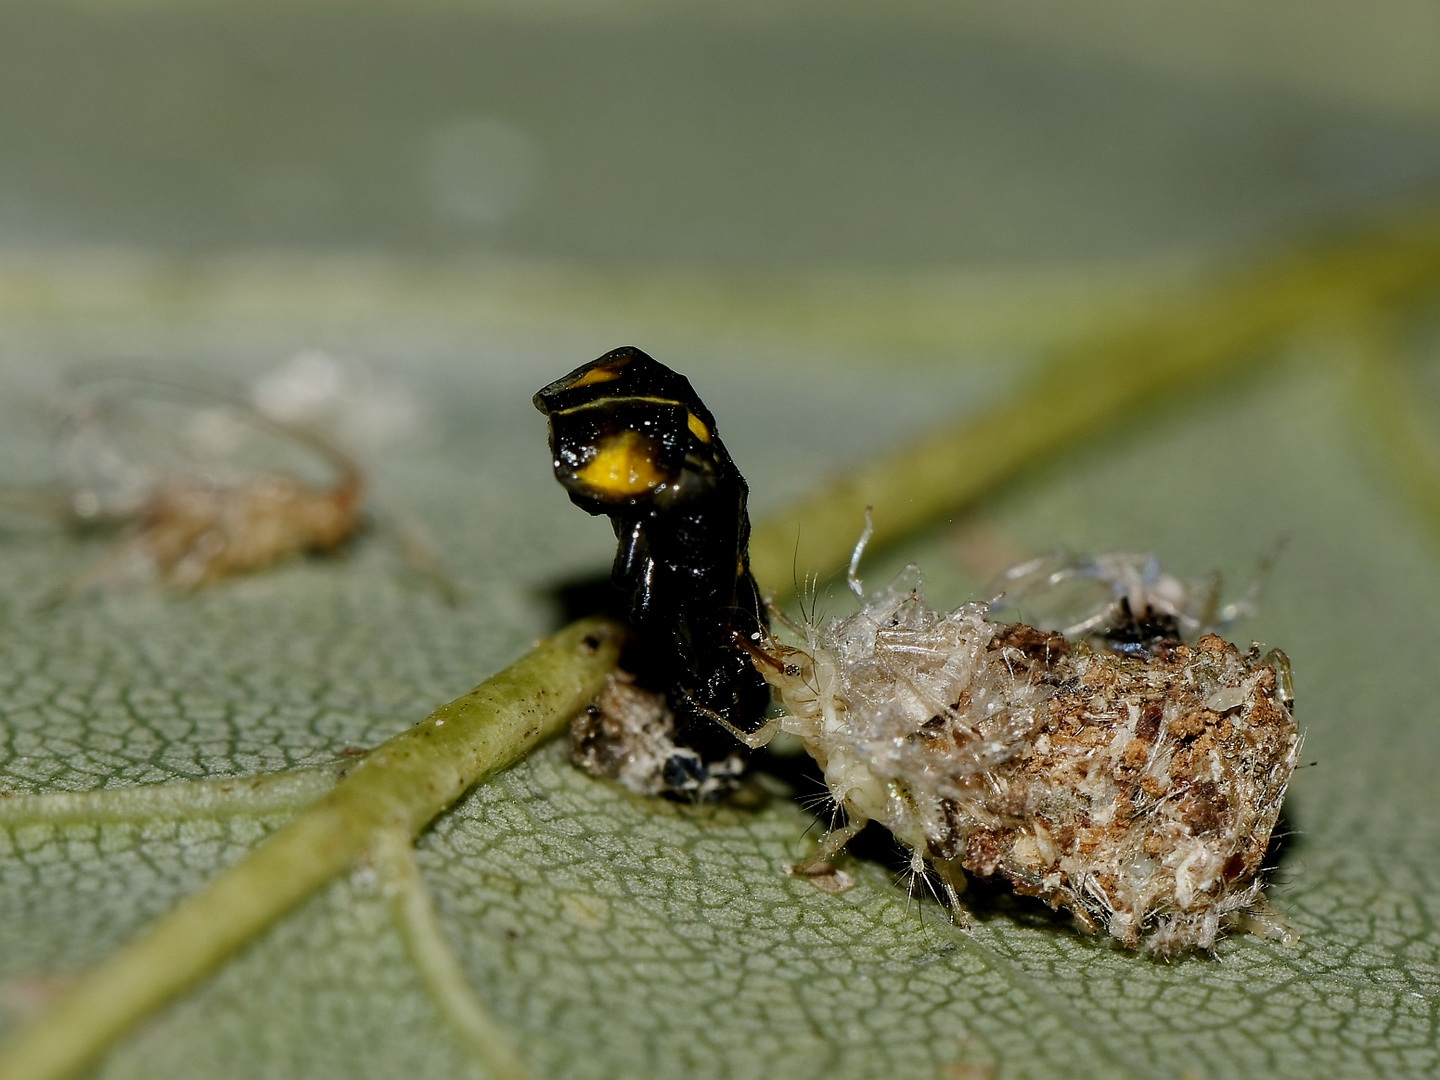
(628,734)
(1126,776)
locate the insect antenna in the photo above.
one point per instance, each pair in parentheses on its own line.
(776,613)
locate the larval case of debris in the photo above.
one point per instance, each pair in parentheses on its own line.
(1136,788)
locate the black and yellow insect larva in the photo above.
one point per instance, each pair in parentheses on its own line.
(631,440)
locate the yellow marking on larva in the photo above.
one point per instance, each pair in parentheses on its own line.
(610,402)
(596,375)
(623,466)
(697,427)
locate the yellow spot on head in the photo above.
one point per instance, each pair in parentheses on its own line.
(623,466)
(595,376)
(697,427)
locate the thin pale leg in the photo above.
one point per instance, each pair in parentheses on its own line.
(754,740)
(952,884)
(833,843)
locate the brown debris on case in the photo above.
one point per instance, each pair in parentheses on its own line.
(1145,798)
(1137,791)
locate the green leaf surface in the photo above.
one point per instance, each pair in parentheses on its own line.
(845,230)
(611,935)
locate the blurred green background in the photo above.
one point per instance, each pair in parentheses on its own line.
(745,135)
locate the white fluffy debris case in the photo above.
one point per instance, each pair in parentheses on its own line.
(1135,787)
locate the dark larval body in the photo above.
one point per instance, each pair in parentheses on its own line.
(630,439)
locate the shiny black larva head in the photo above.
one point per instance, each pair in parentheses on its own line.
(625,429)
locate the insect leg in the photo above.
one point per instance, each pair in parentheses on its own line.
(833,843)
(754,740)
